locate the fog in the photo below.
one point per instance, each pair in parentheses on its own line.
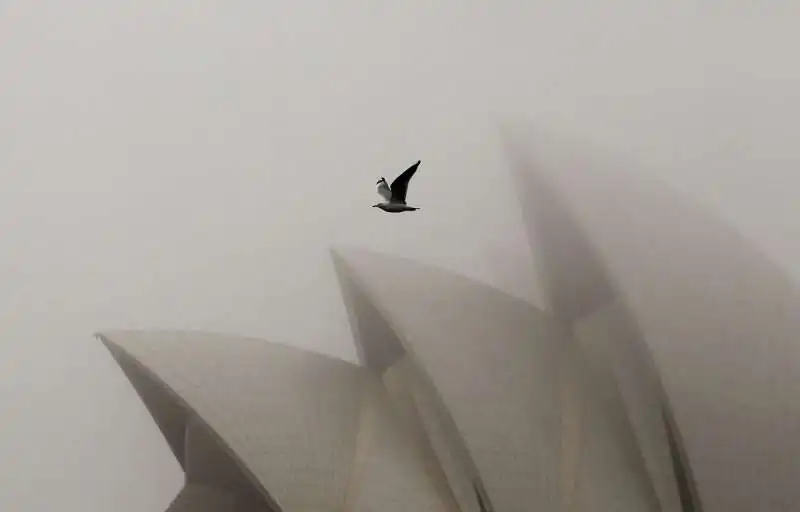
(188,164)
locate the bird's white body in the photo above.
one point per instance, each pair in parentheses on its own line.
(395,207)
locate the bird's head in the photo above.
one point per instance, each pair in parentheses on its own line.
(381,180)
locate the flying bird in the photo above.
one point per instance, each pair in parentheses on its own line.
(395,195)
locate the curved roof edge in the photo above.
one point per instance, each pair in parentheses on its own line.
(380,349)
(114,335)
(140,375)
(579,287)
(219,406)
(462,331)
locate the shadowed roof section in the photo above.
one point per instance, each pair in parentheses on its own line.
(719,317)
(574,279)
(613,346)
(164,405)
(382,352)
(499,365)
(314,431)
(581,293)
(215,476)
(288,414)
(376,343)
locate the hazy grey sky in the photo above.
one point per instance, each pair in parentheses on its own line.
(188,164)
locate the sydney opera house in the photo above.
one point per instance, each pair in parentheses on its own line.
(636,387)
(466,399)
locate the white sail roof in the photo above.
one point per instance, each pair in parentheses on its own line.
(510,377)
(293,419)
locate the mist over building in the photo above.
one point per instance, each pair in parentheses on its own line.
(465,399)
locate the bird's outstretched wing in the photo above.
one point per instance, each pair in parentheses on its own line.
(400,184)
(384,190)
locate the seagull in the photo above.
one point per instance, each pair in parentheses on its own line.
(395,196)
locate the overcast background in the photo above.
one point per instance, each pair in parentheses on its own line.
(187,164)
